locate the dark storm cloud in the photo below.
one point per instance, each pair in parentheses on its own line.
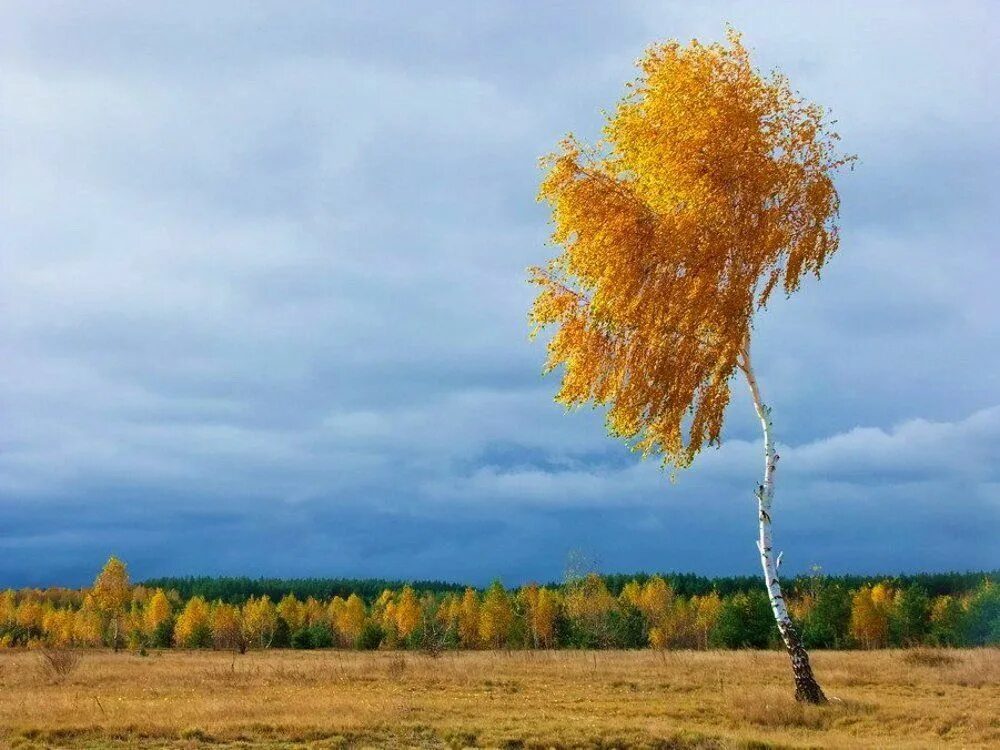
(264,308)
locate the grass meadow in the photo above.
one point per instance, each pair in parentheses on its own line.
(521,699)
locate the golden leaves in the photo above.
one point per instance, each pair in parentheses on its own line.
(112,588)
(711,186)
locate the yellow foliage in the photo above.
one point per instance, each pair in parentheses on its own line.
(87,626)
(448,611)
(193,620)
(351,621)
(389,619)
(335,610)
(711,186)
(800,607)
(227,629)
(496,617)
(657,639)
(632,594)
(589,602)
(541,608)
(314,613)
(29,614)
(656,599)
(407,613)
(259,619)
(589,599)
(468,620)
(8,607)
(543,618)
(112,590)
(673,621)
(292,612)
(707,609)
(158,611)
(870,609)
(58,626)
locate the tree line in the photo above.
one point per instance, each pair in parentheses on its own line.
(238,589)
(588,611)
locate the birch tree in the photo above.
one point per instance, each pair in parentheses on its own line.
(710,189)
(112,591)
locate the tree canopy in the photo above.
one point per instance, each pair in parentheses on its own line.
(710,188)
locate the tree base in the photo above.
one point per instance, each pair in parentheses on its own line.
(809,692)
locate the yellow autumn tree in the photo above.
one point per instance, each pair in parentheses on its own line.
(407,613)
(193,628)
(496,616)
(589,604)
(655,601)
(391,634)
(87,624)
(711,187)
(259,617)
(351,621)
(227,628)
(28,614)
(112,592)
(540,611)
(468,619)
(8,608)
(801,606)
(870,610)
(543,618)
(672,620)
(707,609)
(58,626)
(383,612)
(134,625)
(314,613)
(447,613)
(156,619)
(631,594)
(334,612)
(292,611)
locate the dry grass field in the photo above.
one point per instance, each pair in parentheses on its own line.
(563,699)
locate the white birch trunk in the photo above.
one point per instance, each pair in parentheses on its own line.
(806,687)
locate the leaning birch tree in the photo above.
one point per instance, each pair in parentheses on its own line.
(710,189)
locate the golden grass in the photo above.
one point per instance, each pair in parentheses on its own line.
(561,699)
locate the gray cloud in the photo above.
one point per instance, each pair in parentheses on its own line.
(263,274)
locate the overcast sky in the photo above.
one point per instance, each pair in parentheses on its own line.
(263,300)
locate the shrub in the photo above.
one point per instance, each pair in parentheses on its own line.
(946,621)
(909,619)
(163,635)
(829,620)
(320,636)
(982,618)
(302,639)
(59,663)
(16,635)
(745,621)
(282,636)
(627,625)
(200,637)
(371,637)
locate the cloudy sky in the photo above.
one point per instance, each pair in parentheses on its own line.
(263,302)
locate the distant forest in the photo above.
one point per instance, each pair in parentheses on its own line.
(238,589)
(585,611)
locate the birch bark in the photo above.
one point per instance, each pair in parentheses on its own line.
(806,687)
